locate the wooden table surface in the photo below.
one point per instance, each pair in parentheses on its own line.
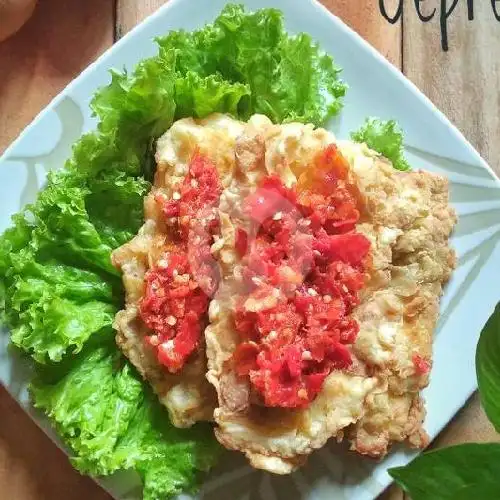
(61,40)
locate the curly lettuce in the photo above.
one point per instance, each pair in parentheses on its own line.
(386,138)
(58,290)
(287,78)
(102,410)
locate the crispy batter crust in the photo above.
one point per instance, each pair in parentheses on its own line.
(377,401)
(407,218)
(409,221)
(187,394)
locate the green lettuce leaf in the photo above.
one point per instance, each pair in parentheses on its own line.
(63,229)
(59,285)
(169,460)
(13,240)
(115,206)
(53,307)
(450,473)
(141,105)
(386,138)
(69,324)
(488,368)
(111,421)
(311,90)
(33,279)
(199,96)
(289,78)
(91,404)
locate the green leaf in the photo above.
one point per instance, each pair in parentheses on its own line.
(52,307)
(115,206)
(169,460)
(12,241)
(63,229)
(386,138)
(287,78)
(91,405)
(482,491)
(33,279)
(50,326)
(488,368)
(448,473)
(199,96)
(139,106)
(311,89)
(112,421)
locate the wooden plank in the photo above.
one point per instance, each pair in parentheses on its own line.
(131,12)
(365,18)
(464,81)
(35,64)
(54,46)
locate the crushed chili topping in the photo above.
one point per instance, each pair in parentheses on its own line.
(304,265)
(178,288)
(422,365)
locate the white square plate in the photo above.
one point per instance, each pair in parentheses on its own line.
(376,89)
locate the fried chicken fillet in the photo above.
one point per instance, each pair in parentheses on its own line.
(376,401)
(186,394)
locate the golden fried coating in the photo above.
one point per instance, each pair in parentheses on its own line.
(408,221)
(406,217)
(186,394)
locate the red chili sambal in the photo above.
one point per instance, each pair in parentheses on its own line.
(304,265)
(178,288)
(421,364)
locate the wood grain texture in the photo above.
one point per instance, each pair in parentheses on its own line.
(56,44)
(364,17)
(464,81)
(131,12)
